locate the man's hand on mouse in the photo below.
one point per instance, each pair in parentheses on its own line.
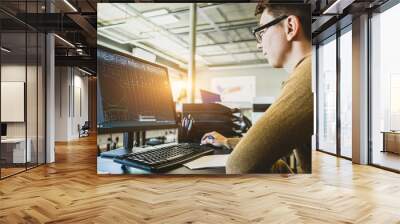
(214,138)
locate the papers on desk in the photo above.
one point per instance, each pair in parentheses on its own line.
(211,161)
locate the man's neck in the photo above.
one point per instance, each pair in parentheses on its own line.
(299,51)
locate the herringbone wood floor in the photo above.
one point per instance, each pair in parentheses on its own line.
(70,191)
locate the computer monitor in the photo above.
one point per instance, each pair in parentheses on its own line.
(133,94)
(3,130)
(209,97)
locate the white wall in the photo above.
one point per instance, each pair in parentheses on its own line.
(70,82)
(61,103)
(79,117)
(268,79)
(12,73)
(33,126)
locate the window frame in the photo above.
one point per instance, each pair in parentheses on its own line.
(335,36)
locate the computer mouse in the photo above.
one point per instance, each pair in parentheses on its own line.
(154,141)
(217,147)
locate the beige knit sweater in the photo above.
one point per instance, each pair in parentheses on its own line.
(286,125)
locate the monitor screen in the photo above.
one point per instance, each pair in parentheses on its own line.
(3,129)
(133,94)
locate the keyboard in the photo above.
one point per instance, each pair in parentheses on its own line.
(164,158)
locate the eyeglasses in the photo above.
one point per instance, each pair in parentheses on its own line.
(259,31)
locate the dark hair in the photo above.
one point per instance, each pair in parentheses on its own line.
(303,11)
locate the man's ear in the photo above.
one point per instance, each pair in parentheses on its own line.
(292,27)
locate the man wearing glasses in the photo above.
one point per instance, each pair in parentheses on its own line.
(284,35)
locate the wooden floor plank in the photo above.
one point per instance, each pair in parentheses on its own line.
(70,191)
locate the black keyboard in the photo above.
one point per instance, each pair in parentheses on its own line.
(164,158)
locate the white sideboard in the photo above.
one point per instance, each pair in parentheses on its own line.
(18,149)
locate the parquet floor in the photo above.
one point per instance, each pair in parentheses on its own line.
(387,159)
(70,191)
(10,171)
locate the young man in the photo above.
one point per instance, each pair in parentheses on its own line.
(284,35)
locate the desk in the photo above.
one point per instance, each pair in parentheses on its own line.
(108,166)
(391,141)
(13,150)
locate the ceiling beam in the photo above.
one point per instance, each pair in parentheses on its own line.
(151,50)
(243,65)
(199,26)
(88,29)
(217,29)
(82,61)
(222,43)
(177,39)
(236,53)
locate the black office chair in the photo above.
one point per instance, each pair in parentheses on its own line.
(84,130)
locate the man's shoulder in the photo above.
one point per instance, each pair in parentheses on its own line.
(302,73)
(304,67)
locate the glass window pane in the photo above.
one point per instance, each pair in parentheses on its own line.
(327,96)
(22,79)
(13,86)
(385,86)
(346,94)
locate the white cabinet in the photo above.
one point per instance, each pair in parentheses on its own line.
(16,146)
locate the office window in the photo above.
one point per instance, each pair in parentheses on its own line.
(345,93)
(22,92)
(13,86)
(327,95)
(385,88)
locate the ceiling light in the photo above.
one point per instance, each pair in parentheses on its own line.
(337,7)
(70,5)
(84,71)
(79,51)
(163,20)
(64,40)
(158,12)
(5,50)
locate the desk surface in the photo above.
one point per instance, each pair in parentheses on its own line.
(108,166)
(13,140)
(390,132)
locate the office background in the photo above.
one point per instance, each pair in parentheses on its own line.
(58,93)
(342,83)
(338,190)
(333,122)
(72,108)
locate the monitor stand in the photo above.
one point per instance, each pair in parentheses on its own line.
(131,140)
(134,139)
